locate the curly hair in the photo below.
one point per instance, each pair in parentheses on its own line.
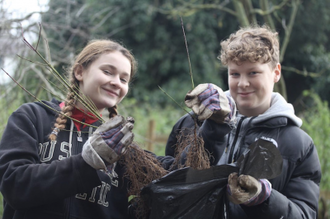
(85,58)
(254,44)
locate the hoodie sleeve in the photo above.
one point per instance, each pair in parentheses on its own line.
(183,126)
(25,181)
(212,133)
(215,138)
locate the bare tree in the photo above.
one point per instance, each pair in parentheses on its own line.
(20,61)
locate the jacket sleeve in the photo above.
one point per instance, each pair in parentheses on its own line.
(183,126)
(213,135)
(25,181)
(215,138)
(295,192)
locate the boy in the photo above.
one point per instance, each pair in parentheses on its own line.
(252,57)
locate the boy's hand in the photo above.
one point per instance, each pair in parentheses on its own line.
(209,101)
(247,190)
(108,142)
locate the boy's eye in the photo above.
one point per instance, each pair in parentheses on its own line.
(234,74)
(124,80)
(253,73)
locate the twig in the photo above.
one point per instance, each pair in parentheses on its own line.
(186,44)
(82,99)
(173,100)
(37,99)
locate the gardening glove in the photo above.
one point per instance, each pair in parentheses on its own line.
(108,142)
(247,190)
(209,101)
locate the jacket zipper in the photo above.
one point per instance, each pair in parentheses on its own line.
(79,138)
(231,158)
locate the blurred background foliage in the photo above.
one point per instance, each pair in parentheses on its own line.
(152,30)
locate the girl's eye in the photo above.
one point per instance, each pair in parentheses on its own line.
(107,72)
(253,73)
(234,74)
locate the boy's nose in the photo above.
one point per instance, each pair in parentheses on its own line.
(243,82)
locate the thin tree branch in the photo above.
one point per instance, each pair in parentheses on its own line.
(240,13)
(26,17)
(267,17)
(288,29)
(186,44)
(188,8)
(252,17)
(105,18)
(46,82)
(304,72)
(271,10)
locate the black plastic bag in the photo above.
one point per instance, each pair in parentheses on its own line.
(188,193)
(262,160)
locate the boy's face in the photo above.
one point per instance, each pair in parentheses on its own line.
(251,85)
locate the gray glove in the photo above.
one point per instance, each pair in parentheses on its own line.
(108,142)
(209,101)
(247,190)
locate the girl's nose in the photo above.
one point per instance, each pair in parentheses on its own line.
(115,81)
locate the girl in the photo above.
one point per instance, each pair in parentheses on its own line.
(50,161)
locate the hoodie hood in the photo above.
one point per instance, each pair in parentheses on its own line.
(279,107)
(51,106)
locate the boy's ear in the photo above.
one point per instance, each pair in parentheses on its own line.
(277,72)
(78,72)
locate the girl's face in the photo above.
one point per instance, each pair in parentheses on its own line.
(106,80)
(251,85)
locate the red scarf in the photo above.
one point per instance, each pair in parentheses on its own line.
(80,115)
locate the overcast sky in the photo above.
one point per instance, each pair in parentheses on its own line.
(19,9)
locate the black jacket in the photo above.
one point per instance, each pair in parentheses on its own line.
(41,180)
(295,192)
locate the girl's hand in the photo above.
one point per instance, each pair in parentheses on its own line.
(108,142)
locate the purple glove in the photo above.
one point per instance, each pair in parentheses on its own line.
(209,101)
(108,142)
(247,190)
(117,138)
